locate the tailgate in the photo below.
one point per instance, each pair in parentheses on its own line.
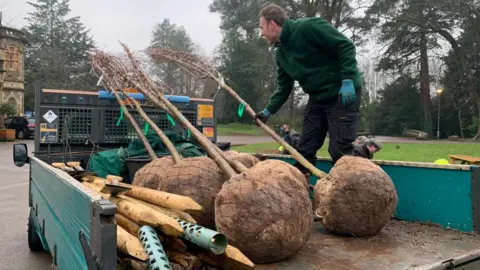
(64,209)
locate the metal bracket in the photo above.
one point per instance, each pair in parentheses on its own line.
(91,259)
(475,196)
(30,199)
(55,254)
(103,234)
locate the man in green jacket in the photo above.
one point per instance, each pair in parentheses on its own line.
(323,61)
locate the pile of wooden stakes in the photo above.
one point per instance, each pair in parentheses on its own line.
(169,215)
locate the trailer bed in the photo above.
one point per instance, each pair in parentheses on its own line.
(400,245)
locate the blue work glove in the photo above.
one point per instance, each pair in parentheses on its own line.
(347,93)
(262,116)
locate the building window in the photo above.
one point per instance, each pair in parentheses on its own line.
(11,61)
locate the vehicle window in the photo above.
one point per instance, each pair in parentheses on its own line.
(31,121)
(17,120)
(8,120)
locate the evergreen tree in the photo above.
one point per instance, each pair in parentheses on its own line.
(398,106)
(169,35)
(411,27)
(58,49)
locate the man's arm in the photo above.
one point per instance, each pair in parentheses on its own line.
(322,34)
(284,88)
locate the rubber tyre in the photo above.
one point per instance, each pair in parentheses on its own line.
(21,134)
(34,242)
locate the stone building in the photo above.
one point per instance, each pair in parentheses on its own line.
(12,77)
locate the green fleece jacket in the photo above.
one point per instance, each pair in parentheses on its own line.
(318,56)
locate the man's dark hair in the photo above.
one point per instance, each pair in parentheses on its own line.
(272,12)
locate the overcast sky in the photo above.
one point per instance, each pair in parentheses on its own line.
(131,21)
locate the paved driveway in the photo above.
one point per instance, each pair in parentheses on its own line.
(14,252)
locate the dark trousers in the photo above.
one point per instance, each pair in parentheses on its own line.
(329,116)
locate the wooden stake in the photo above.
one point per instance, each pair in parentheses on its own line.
(232,259)
(164,202)
(62,166)
(130,244)
(113,179)
(143,215)
(188,261)
(128,224)
(164,199)
(75,165)
(166,211)
(96,189)
(234,254)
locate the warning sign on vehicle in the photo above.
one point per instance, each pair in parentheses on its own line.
(50,116)
(48,133)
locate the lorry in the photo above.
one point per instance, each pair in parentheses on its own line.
(435,225)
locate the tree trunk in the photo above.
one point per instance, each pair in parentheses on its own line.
(311,10)
(471,86)
(291,106)
(461,56)
(459,115)
(169,77)
(425,85)
(460,124)
(477,136)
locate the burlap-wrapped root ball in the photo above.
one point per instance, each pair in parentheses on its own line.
(246,159)
(197,177)
(249,161)
(265,212)
(357,198)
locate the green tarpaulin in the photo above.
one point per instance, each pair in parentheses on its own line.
(113,162)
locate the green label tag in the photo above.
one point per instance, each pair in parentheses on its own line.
(121,117)
(145,128)
(241,109)
(171,120)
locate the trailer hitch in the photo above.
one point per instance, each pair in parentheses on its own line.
(92,260)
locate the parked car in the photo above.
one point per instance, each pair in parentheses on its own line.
(24,127)
(31,126)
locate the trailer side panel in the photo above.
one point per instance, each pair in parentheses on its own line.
(63,208)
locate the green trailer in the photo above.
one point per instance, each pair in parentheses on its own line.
(436,222)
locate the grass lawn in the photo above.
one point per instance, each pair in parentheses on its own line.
(238,129)
(428,152)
